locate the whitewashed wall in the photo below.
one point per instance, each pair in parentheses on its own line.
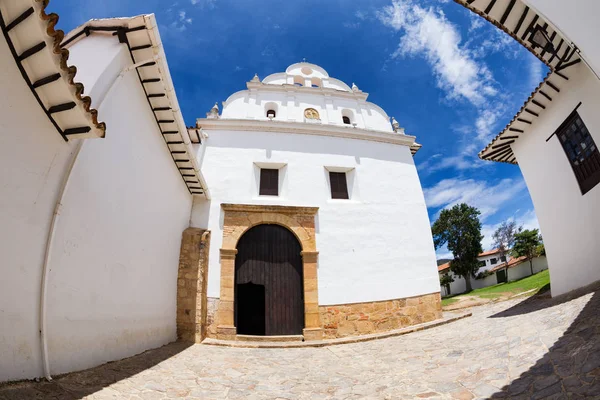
(375,246)
(113,270)
(33,158)
(569,222)
(113,281)
(577,21)
(520,271)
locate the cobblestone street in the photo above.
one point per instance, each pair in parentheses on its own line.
(532,348)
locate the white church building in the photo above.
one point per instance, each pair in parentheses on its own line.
(295,211)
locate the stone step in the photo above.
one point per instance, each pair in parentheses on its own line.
(276,338)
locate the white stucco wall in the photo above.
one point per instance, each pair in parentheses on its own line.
(375,246)
(569,222)
(113,271)
(113,280)
(33,158)
(577,21)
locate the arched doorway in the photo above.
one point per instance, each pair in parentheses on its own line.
(269,293)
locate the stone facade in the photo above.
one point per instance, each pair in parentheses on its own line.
(381,316)
(192,306)
(238,218)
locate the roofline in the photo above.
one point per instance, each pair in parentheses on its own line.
(50,43)
(521,29)
(304,128)
(120,27)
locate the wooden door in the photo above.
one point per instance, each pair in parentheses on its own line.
(269,293)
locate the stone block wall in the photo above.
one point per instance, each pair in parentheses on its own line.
(381,316)
(192,306)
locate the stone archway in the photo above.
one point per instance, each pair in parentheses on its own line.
(238,218)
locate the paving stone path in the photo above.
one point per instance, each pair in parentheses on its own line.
(524,349)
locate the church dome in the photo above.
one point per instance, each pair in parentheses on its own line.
(306,74)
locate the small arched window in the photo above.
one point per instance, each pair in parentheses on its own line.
(346,120)
(271,114)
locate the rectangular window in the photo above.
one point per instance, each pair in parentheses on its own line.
(493,261)
(581,151)
(339,185)
(269,182)
(503,258)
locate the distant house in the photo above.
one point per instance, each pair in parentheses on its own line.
(492,271)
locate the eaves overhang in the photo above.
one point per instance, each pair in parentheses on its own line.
(304,128)
(519,21)
(140,35)
(34,44)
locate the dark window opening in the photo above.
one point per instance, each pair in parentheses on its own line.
(346,120)
(493,261)
(297,84)
(271,114)
(503,258)
(269,182)
(339,186)
(313,85)
(581,151)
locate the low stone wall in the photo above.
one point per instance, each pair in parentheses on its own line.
(381,316)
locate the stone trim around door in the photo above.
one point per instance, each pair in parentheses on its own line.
(238,218)
(192,307)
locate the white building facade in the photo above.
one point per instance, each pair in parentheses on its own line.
(554,138)
(340,170)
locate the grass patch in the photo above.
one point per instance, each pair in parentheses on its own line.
(539,281)
(448,300)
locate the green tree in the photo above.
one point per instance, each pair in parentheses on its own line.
(446,280)
(460,228)
(527,243)
(504,240)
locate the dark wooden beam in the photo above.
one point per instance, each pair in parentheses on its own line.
(537,103)
(551,40)
(151,80)
(148,64)
(516,130)
(507,11)
(552,86)
(151,95)
(19,19)
(566,78)
(146,46)
(530,27)
(556,51)
(567,65)
(545,95)
(188,175)
(182,160)
(523,16)
(176,142)
(508,137)
(179,152)
(490,6)
(186,168)
(32,50)
(170,132)
(531,112)
(62,107)
(166,121)
(161,108)
(524,121)
(46,80)
(499,152)
(137,28)
(75,131)
(503,145)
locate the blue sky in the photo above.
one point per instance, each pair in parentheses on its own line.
(449,77)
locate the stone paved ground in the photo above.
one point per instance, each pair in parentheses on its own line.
(523,349)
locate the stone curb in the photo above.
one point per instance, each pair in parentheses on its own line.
(333,342)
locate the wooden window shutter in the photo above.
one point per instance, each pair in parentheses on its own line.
(269,182)
(339,186)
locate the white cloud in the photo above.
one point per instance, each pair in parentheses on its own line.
(458,70)
(488,198)
(427,32)
(536,71)
(208,4)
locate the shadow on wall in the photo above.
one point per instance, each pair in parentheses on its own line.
(571,367)
(76,385)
